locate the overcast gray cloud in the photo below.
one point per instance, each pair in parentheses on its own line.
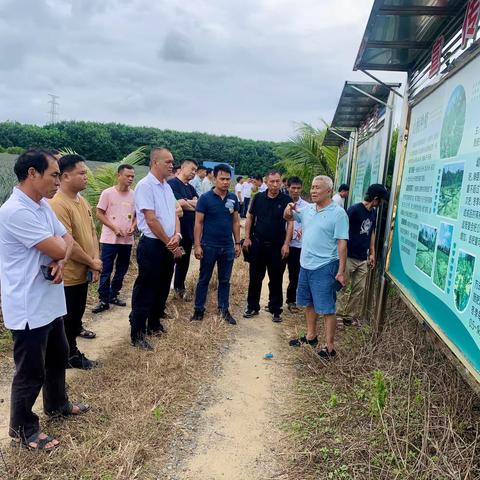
(238,67)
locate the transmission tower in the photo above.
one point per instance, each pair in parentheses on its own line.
(53,108)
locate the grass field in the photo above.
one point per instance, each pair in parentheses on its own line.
(441,269)
(427,237)
(464,280)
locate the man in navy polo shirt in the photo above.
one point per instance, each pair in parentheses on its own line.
(216,219)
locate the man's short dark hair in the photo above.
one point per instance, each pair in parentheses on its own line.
(201,167)
(272,172)
(222,168)
(189,160)
(32,158)
(294,181)
(285,179)
(209,171)
(68,162)
(344,188)
(258,177)
(239,178)
(125,166)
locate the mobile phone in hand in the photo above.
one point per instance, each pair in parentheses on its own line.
(89,276)
(338,286)
(47,272)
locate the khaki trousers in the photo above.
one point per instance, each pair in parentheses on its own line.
(350,298)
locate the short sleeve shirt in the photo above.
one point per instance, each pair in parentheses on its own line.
(321,230)
(218,220)
(26,296)
(362,225)
(186,192)
(268,222)
(238,189)
(152,194)
(247,189)
(196,183)
(119,207)
(76,216)
(337,198)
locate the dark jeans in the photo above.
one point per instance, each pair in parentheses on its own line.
(151,288)
(246,203)
(266,257)
(181,268)
(293,263)
(224,258)
(40,357)
(118,255)
(76,299)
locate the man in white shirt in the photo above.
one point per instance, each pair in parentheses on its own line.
(246,195)
(341,195)
(294,185)
(158,247)
(207,182)
(34,247)
(239,193)
(196,182)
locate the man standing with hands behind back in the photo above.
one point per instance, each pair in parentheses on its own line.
(158,246)
(76,215)
(116,211)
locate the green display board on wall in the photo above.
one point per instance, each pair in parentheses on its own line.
(435,253)
(342,170)
(367,168)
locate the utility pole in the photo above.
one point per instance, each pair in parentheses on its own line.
(53,108)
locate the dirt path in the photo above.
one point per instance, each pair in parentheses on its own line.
(238,433)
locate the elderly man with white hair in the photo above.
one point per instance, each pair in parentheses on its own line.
(322,261)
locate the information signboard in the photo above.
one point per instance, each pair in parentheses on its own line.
(368,165)
(342,170)
(435,251)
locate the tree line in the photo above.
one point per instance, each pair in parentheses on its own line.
(109,142)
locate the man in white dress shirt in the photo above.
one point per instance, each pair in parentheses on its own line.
(155,206)
(34,247)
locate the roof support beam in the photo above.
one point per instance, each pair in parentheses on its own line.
(398,44)
(371,96)
(382,83)
(416,10)
(337,134)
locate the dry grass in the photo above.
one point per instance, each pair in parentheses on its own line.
(137,398)
(393,410)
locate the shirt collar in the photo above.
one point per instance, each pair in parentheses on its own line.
(23,197)
(154,179)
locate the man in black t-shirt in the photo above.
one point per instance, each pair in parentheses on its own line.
(360,252)
(187,199)
(267,239)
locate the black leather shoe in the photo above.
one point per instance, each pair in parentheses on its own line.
(197,316)
(227,316)
(119,303)
(100,307)
(143,345)
(276,318)
(81,362)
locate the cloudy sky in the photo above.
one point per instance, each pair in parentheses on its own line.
(238,67)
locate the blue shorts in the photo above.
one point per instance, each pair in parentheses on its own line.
(317,288)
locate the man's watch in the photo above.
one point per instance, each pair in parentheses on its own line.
(238,243)
(180,235)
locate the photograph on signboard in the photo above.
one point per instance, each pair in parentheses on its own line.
(463,280)
(427,237)
(450,190)
(442,255)
(453,123)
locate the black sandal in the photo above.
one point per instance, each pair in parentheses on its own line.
(325,354)
(67,410)
(87,334)
(41,443)
(303,340)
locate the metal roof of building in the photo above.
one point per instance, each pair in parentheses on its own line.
(400,33)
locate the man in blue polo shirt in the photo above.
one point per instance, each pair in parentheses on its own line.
(216,219)
(322,261)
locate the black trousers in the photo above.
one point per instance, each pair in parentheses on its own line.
(182,264)
(76,299)
(293,263)
(266,257)
(117,255)
(151,288)
(40,357)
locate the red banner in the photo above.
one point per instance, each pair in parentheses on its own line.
(470,23)
(436,56)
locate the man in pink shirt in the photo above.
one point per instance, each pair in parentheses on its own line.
(116,211)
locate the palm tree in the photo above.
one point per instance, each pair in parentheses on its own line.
(304,155)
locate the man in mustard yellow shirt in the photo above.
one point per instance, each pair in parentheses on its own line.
(84,264)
